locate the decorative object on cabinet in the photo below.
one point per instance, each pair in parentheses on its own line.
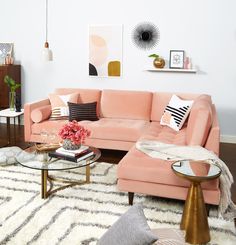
(5,50)
(13,71)
(177,59)
(105,51)
(158,62)
(13,86)
(47,53)
(146,35)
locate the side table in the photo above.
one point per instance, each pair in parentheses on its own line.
(194,219)
(8,114)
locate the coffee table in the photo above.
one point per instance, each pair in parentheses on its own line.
(194,219)
(39,160)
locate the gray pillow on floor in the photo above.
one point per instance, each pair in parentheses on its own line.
(130,229)
(8,154)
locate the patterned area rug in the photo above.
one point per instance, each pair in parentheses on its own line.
(80,215)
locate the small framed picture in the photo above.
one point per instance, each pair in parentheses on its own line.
(176,59)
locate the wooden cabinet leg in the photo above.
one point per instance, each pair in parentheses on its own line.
(131,197)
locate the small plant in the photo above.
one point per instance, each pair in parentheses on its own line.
(11,83)
(154,56)
(75,132)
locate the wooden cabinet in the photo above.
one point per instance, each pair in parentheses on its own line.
(14,71)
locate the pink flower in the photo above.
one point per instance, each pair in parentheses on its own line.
(75,132)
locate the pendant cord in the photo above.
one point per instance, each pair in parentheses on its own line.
(46,20)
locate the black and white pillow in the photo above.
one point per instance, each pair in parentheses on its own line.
(85,111)
(176,112)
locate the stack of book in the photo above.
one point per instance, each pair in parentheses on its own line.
(72,155)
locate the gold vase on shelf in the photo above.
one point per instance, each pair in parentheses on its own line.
(158,62)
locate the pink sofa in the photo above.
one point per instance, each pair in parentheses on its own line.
(124,118)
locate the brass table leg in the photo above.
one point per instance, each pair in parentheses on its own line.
(194,219)
(8,131)
(88,173)
(44,176)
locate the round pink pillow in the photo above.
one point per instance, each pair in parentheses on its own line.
(41,113)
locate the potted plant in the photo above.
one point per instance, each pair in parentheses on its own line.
(158,62)
(73,135)
(13,86)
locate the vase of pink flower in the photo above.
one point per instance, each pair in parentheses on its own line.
(73,135)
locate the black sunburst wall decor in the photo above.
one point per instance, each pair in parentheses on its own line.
(146,35)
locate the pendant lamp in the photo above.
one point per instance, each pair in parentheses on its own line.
(47,53)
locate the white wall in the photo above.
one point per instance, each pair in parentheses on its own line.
(206,30)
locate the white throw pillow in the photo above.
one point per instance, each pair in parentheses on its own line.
(176,112)
(60,109)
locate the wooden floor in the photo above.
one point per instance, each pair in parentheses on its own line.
(227,151)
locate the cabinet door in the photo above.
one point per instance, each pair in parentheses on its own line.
(14,72)
(3,90)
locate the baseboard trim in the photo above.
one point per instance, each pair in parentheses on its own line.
(228,139)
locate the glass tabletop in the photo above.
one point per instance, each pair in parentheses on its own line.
(200,169)
(31,158)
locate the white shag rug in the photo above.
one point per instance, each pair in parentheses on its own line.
(82,214)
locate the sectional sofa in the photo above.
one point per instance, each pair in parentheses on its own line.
(127,116)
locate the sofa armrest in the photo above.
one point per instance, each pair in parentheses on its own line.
(213,140)
(199,122)
(28,108)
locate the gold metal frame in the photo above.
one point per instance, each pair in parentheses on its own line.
(45,192)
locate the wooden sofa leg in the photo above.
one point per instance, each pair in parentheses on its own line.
(131,197)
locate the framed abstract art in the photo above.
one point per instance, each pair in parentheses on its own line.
(105,50)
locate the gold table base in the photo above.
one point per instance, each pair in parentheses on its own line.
(194,219)
(45,192)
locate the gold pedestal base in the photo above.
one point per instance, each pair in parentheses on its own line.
(194,219)
(45,192)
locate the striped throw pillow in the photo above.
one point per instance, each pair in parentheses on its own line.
(85,111)
(59,105)
(176,112)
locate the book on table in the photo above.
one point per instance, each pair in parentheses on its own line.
(78,158)
(83,149)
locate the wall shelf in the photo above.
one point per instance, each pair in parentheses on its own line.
(172,70)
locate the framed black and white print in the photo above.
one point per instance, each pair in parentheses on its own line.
(176,59)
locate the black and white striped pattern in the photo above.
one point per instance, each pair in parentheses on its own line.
(178,114)
(80,112)
(82,214)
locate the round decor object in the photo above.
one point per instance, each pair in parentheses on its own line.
(159,62)
(146,35)
(68,145)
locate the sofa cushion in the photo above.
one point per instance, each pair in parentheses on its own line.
(116,129)
(165,134)
(160,101)
(130,229)
(176,112)
(200,121)
(138,166)
(59,105)
(48,125)
(85,111)
(41,113)
(126,104)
